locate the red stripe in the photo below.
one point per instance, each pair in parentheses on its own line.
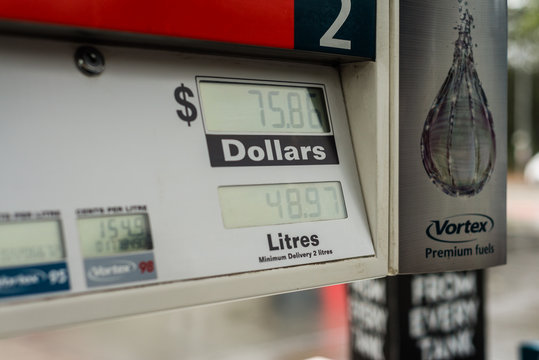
(253,22)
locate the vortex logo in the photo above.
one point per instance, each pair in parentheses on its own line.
(459,228)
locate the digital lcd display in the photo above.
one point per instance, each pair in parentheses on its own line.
(30,242)
(257,205)
(263,108)
(114,235)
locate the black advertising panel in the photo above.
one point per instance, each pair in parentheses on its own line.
(418,317)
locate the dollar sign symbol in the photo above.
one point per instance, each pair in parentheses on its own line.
(190,112)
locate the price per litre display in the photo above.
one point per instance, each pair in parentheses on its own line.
(257,205)
(114,235)
(117,249)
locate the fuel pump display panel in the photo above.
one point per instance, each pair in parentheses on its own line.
(170,167)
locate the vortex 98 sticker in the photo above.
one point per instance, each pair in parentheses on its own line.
(120,269)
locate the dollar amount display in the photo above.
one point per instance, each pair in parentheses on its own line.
(238,107)
(30,242)
(114,235)
(257,205)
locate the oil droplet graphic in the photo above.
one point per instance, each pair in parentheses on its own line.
(458,144)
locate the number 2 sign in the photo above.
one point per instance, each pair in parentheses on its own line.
(328,38)
(344,27)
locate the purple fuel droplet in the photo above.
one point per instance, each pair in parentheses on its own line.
(458,144)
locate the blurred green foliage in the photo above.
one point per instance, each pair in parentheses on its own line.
(523,56)
(524,22)
(523,34)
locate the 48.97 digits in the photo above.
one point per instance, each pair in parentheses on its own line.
(305,202)
(272,204)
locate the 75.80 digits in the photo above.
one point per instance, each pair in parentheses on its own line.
(285,109)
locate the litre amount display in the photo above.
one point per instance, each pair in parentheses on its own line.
(257,205)
(114,235)
(266,108)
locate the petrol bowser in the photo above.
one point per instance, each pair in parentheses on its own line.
(165,155)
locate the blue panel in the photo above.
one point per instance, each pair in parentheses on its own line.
(33,279)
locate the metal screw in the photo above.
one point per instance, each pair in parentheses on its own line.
(89,61)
